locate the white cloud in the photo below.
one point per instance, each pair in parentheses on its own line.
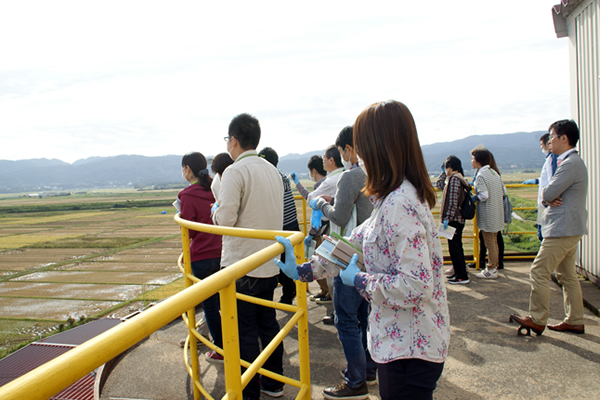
(98,79)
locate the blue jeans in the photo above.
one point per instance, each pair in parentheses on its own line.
(203,269)
(258,323)
(409,378)
(351,321)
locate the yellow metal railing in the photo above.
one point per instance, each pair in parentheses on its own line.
(234,380)
(61,372)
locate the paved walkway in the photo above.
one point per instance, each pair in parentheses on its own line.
(487,360)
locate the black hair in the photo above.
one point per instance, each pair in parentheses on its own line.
(316,162)
(545,138)
(246,129)
(481,155)
(220,162)
(197,163)
(333,152)
(454,163)
(344,138)
(566,127)
(270,155)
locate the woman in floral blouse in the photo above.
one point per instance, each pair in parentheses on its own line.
(409,325)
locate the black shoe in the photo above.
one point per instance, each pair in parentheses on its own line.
(471,265)
(458,281)
(501,266)
(329,319)
(273,393)
(342,391)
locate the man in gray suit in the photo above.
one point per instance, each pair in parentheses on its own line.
(564,221)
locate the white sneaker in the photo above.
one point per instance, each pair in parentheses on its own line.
(487,274)
(450,271)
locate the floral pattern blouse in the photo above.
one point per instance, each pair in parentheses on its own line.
(403,281)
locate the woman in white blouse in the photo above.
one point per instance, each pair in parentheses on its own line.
(409,325)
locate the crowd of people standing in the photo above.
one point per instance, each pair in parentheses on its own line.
(372,188)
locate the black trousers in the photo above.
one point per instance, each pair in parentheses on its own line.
(409,378)
(483,250)
(457,254)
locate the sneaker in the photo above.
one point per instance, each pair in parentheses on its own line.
(273,393)
(329,319)
(371,380)
(458,281)
(323,299)
(487,274)
(342,391)
(450,271)
(313,297)
(213,357)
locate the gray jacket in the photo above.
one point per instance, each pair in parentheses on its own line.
(570,182)
(348,191)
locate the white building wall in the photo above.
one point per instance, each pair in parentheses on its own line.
(583,25)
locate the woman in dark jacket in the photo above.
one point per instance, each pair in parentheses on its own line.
(196,201)
(451,181)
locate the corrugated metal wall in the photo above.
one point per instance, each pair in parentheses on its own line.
(587,32)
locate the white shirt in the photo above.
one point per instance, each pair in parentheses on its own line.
(329,185)
(251,196)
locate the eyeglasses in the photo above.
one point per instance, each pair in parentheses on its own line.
(227,138)
(552,137)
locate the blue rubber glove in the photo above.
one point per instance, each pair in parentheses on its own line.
(530,182)
(289,267)
(214,208)
(350,272)
(445,224)
(313,203)
(294,178)
(474,198)
(307,240)
(315,219)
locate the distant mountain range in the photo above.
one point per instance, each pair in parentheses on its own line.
(512,151)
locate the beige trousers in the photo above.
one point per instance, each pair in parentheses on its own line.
(556,254)
(491,242)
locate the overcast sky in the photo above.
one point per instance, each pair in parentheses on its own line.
(81,79)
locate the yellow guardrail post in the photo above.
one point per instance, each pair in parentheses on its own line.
(231,342)
(191,314)
(476,243)
(303,348)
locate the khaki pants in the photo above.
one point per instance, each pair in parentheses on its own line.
(491,242)
(556,254)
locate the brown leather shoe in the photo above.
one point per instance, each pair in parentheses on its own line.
(564,327)
(527,322)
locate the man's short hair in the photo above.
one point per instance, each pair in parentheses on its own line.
(316,162)
(545,138)
(246,129)
(566,127)
(344,138)
(333,152)
(270,155)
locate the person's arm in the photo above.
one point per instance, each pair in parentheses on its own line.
(441,181)
(345,197)
(302,190)
(481,189)
(562,179)
(230,196)
(409,278)
(188,212)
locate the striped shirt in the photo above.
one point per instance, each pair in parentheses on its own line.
(289,205)
(490,205)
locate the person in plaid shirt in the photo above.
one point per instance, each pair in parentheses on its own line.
(451,182)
